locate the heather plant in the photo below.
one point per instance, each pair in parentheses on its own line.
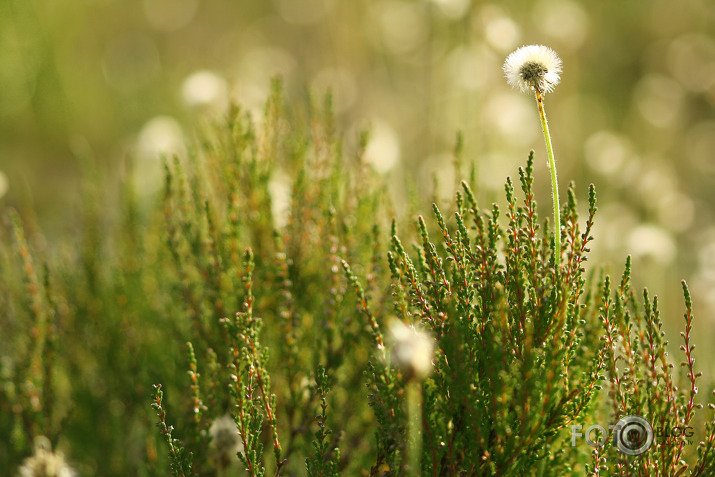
(524,341)
(282,319)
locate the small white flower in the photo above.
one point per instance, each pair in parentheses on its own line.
(533,68)
(412,350)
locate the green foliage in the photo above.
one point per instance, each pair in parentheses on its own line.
(180,462)
(326,459)
(285,299)
(506,376)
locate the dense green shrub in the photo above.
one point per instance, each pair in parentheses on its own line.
(282,322)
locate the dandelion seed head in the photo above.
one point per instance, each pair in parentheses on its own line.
(533,68)
(225,440)
(412,350)
(45,463)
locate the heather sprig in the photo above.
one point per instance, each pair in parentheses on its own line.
(493,324)
(324,462)
(180,459)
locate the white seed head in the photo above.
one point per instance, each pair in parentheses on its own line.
(225,440)
(533,68)
(412,350)
(45,463)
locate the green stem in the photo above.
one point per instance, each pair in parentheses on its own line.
(554,180)
(414,427)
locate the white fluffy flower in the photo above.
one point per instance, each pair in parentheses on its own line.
(45,463)
(412,350)
(225,440)
(533,68)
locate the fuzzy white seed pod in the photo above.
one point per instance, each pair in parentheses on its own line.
(225,440)
(533,68)
(412,350)
(45,463)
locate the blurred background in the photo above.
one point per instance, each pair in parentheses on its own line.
(103,82)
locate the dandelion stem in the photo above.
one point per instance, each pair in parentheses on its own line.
(414,426)
(554,180)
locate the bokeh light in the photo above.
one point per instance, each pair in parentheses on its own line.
(205,89)
(4,184)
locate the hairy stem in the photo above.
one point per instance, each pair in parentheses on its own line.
(414,427)
(554,180)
